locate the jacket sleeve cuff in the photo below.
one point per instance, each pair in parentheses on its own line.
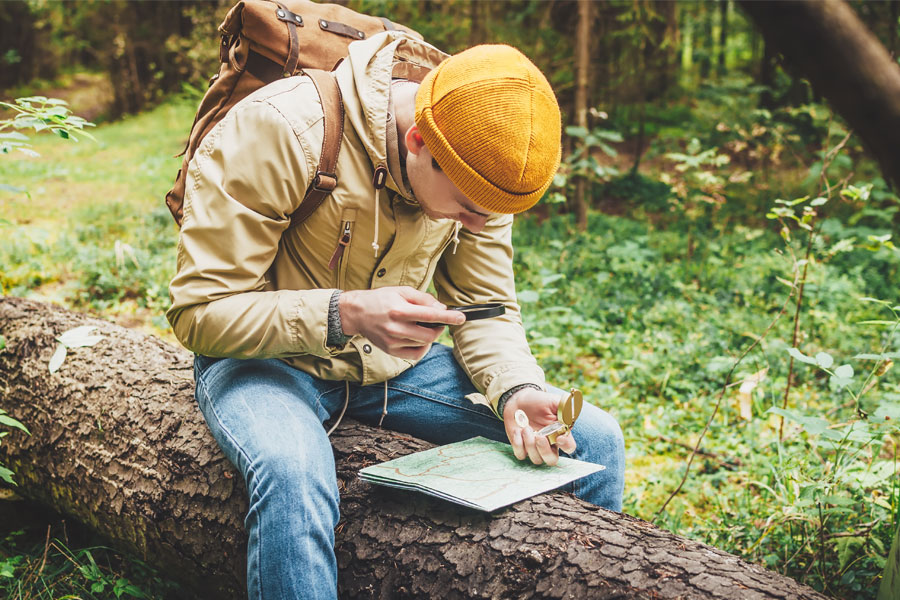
(336,339)
(309,326)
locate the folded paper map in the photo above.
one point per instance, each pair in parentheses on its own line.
(478,473)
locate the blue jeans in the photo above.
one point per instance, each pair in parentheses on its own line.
(267,417)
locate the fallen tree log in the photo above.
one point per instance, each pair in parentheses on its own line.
(118,443)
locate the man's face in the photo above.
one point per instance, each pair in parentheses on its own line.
(437,195)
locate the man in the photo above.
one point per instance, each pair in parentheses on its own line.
(295,326)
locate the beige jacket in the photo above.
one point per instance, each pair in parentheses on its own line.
(247,287)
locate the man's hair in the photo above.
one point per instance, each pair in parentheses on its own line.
(435,164)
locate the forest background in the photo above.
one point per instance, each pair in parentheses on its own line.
(714,264)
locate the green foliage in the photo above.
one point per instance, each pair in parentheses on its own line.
(643,195)
(700,179)
(113,249)
(650,334)
(8,422)
(583,161)
(39,114)
(47,569)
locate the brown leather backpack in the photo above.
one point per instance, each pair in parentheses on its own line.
(264,40)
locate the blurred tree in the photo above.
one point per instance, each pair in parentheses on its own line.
(723,37)
(149,49)
(18,36)
(582,85)
(826,42)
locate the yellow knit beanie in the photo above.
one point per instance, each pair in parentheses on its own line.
(490,119)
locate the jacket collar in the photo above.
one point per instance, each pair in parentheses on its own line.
(365,80)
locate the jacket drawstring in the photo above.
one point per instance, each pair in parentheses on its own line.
(384,410)
(379,178)
(455,239)
(343,410)
(347,402)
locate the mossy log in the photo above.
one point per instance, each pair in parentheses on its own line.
(118,443)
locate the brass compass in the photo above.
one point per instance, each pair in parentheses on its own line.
(568,410)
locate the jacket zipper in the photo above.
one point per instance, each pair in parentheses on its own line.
(342,245)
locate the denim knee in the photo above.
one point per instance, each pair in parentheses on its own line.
(293,472)
(599,440)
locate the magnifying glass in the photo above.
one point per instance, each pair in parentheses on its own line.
(473,312)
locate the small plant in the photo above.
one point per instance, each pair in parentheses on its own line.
(6,420)
(583,161)
(700,177)
(52,569)
(37,113)
(79,337)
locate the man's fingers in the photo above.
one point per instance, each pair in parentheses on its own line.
(406,350)
(547,452)
(431,310)
(530,446)
(437,315)
(518,444)
(414,296)
(566,443)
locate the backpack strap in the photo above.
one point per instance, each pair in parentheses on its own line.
(292,21)
(325,179)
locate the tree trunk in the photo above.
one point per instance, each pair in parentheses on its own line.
(767,76)
(707,42)
(582,86)
(118,443)
(824,41)
(723,38)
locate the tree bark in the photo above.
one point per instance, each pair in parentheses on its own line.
(118,443)
(825,42)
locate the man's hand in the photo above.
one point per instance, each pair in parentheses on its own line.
(387,317)
(540,407)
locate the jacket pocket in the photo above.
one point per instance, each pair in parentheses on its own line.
(434,258)
(340,258)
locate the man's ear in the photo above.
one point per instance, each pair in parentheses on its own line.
(414,141)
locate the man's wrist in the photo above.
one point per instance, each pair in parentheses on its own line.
(336,337)
(501,404)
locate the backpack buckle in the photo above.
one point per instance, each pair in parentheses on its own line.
(324,182)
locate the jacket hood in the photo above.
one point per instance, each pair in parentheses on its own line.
(365,81)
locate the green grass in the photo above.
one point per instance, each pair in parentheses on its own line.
(42,557)
(650,333)
(646,314)
(80,200)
